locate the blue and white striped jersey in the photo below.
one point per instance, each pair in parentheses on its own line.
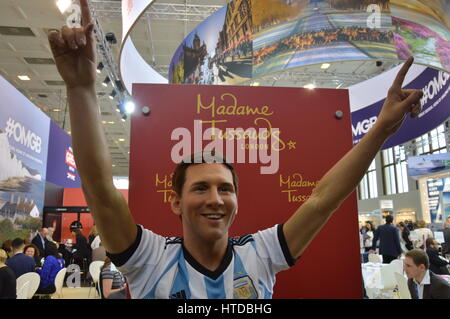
(160,267)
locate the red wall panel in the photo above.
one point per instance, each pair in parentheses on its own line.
(312,140)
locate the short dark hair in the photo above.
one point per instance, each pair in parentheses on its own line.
(51,249)
(389,219)
(17,243)
(419,257)
(429,242)
(179,174)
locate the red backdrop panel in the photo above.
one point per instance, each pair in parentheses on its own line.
(312,140)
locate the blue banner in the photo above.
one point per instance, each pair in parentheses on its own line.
(63,170)
(435,85)
(24,134)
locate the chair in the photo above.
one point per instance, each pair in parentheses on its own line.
(375,258)
(402,283)
(22,292)
(387,277)
(94,270)
(59,282)
(397,264)
(33,280)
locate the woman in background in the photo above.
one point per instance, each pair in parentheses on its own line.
(7,278)
(368,236)
(112,281)
(422,233)
(52,265)
(32,251)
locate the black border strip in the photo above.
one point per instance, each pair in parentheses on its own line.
(121,258)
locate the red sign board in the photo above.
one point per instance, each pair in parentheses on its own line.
(297,139)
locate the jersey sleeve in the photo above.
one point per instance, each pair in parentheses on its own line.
(271,246)
(139,261)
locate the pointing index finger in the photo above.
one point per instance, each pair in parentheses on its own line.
(85,13)
(398,82)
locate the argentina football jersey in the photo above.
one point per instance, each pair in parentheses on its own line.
(160,267)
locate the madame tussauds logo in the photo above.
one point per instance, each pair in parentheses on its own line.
(261,146)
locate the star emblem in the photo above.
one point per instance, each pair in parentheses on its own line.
(292,145)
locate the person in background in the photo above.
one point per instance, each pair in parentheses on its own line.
(7,248)
(438,264)
(368,236)
(99,253)
(83,249)
(52,265)
(50,233)
(404,238)
(446,248)
(92,235)
(113,283)
(40,241)
(32,251)
(423,233)
(423,283)
(20,263)
(389,238)
(7,278)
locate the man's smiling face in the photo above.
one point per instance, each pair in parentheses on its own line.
(208,202)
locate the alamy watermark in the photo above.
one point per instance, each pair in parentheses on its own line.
(261,145)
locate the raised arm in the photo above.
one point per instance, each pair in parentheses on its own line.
(343,178)
(74,50)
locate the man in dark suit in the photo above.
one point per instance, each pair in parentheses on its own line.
(40,240)
(20,263)
(389,238)
(423,283)
(438,264)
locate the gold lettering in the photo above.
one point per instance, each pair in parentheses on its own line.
(221,110)
(201,106)
(292,198)
(296,181)
(166,181)
(282,182)
(167,194)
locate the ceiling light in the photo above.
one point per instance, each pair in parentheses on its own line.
(310,86)
(129,107)
(56,110)
(112,94)
(255,84)
(111,122)
(325,66)
(24,77)
(106,81)
(124,117)
(63,5)
(121,140)
(100,67)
